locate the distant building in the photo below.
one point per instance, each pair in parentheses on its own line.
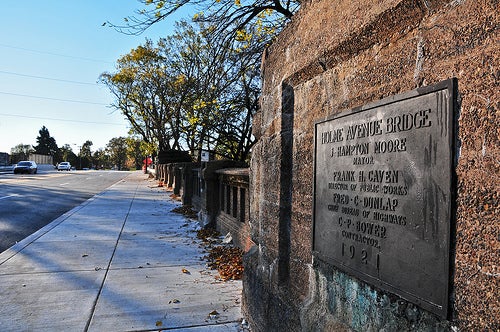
(4,159)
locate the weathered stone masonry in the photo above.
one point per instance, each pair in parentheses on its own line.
(337,55)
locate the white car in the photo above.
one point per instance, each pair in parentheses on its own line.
(64,166)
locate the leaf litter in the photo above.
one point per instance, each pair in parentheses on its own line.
(186,210)
(226,259)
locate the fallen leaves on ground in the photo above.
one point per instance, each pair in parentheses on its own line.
(186,210)
(205,233)
(228,261)
(175,197)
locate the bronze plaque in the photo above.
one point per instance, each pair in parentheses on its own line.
(383,193)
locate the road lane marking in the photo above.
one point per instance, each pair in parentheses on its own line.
(64,184)
(13,195)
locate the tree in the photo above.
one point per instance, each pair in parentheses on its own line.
(228,16)
(224,84)
(85,155)
(21,152)
(234,138)
(209,85)
(46,144)
(142,87)
(100,158)
(185,92)
(117,149)
(67,154)
(137,150)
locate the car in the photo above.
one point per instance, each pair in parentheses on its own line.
(29,167)
(64,166)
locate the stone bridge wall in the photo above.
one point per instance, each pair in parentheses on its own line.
(337,55)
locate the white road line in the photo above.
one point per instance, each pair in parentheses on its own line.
(63,184)
(14,195)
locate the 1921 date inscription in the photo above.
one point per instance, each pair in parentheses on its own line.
(383,191)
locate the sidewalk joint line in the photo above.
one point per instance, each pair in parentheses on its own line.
(94,305)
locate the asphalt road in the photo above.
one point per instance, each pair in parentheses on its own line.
(29,202)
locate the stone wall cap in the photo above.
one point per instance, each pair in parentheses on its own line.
(234,171)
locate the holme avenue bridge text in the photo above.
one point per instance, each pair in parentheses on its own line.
(395,124)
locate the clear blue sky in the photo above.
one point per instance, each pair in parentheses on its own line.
(52,53)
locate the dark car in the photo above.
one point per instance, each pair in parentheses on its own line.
(29,167)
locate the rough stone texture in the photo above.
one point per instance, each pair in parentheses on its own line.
(334,56)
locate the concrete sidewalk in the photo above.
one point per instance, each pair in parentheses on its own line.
(115,263)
